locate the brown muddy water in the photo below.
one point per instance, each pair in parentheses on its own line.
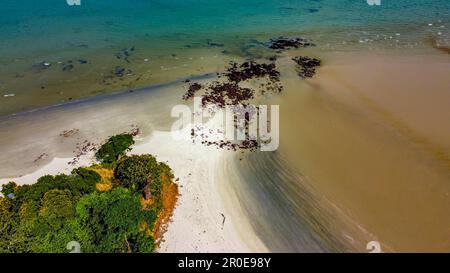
(370,138)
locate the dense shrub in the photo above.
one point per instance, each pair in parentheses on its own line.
(142,173)
(76,184)
(8,223)
(9,188)
(46,215)
(57,206)
(136,171)
(114,148)
(112,221)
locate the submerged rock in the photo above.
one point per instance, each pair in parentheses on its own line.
(210,43)
(39,67)
(119,71)
(125,53)
(68,67)
(282,43)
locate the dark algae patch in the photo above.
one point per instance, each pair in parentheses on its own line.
(228,91)
(249,70)
(222,94)
(192,89)
(306,66)
(282,43)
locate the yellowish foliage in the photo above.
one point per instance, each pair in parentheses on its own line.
(107,175)
(169,200)
(103,186)
(146,203)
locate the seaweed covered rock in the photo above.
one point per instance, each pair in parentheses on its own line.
(229,92)
(222,94)
(282,43)
(307,66)
(249,70)
(193,88)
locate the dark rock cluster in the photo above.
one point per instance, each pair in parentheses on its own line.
(66,66)
(119,71)
(116,74)
(82,148)
(282,43)
(212,44)
(222,94)
(229,92)
(248,70)
(39,67)
(249,145)
(69,133)
(41,156)
(307,66)
(125,53)
(192,89)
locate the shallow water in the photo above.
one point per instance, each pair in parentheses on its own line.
(175,39)
(370,135)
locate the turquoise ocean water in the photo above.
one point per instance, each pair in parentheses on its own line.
(36,27)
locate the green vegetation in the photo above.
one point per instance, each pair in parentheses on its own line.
(113,219)
(123,216)
(114,148)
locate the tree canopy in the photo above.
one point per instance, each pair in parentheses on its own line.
(47,215)
(114,148)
